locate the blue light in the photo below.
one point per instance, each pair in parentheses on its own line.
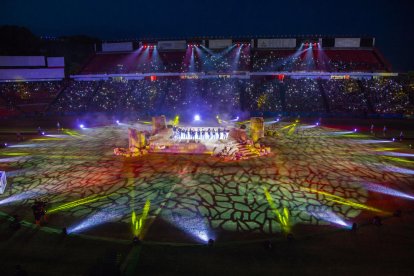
(197,117)
(94,220)
(81,126)
(329,216)
(196,227)
(385,190)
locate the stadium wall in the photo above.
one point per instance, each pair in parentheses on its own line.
(55,62)
(219,43)
(22,61)
(117,47)
(32,74)
(347,42)
(276,43)
(172,45)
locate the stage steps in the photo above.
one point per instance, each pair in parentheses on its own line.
(248,151)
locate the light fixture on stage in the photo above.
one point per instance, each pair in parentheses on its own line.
(354,227)
(117,121)
(355,130)
(81,126)
(197,118)
(377,221)
(397,213)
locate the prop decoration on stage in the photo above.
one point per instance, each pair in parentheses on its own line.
(159,123)
(229,143)
(3,181)
(256,128)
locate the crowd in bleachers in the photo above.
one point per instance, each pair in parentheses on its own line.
(209,96)
(30,96)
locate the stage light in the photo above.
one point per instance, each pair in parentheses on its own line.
(317,123)
(81,126)
(94,220)
(373,187)
(117,121)
(354,227)
(197,117)
(329,216)
(282,216)
(355,130)
(377,221)
(43,133)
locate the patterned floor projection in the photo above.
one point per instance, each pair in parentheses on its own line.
(315,176)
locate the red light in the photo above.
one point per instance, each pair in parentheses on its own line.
(281,77)
(153,78)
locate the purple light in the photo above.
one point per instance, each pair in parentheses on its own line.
(372,141)
(396,154)
(355,130)
(197,117)
(329,216)
(81,126)
(390,168)
(387,191)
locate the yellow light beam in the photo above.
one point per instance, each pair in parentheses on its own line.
(341,200)
(75,203)
(283,218)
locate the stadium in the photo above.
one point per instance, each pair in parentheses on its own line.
(205,142)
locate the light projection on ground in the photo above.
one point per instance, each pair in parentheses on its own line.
(315,176)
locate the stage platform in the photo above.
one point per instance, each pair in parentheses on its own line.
(172,141)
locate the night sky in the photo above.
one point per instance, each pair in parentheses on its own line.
(391,22)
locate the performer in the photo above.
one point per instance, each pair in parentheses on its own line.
(203,133)
(209,133)
(198,133)
(372,128)
(219,133)
(214,133)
